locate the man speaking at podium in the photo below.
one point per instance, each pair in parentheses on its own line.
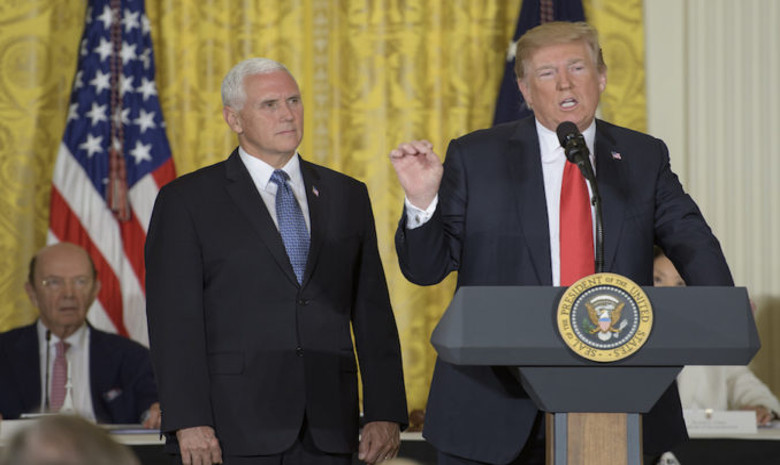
(507,208)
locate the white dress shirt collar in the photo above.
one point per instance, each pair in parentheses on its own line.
(78,339)
(261,171)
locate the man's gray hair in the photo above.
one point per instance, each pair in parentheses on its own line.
(233,94)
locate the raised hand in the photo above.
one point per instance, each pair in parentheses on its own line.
(419,171)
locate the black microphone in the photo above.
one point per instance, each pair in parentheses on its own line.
(575,148)
(46,384)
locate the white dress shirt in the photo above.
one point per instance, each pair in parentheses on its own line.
(78,364)
(553,161)
(261,172)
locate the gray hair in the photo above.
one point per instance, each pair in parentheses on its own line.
(233,94)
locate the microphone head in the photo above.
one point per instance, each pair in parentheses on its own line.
(566,132)
(572,142)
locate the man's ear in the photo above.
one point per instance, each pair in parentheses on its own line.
(232,119)
(602,82)
(524,90)
(31,293)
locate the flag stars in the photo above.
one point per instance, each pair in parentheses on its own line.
(73,111)
(102,81)
(93,145)
(145,120)
(104,49)
(147,88)
(97,113)
(122,117)
(146,57)
(128,52)
(131,20)
(511,51)
(78,83)
(146,26)
(107,17)
(141,152)
(125,84)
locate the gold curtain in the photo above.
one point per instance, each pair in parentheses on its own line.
(373,73)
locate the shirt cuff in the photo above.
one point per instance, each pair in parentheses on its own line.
(416,217)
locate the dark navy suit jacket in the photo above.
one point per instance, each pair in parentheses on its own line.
(121,376)
(491,227)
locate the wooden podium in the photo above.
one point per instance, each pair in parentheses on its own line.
(594,406)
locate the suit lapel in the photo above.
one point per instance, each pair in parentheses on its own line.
(242,190)
(525,165)
(316,196)
(612,178)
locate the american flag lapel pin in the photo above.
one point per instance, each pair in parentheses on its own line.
(616,155)
(315,191)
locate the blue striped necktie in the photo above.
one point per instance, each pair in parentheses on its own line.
(292,225)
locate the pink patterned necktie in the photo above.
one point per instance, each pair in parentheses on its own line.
(59,376)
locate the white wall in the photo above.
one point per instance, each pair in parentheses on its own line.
(713,94)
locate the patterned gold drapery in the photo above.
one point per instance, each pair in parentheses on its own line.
(373,73)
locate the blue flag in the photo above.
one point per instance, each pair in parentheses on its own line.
(510,105)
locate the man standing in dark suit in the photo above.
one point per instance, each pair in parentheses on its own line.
(260,269)
(495,213)
(111,376)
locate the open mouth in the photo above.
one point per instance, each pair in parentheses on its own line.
(568,103)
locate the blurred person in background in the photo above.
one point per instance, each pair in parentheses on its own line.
(718,387)
(65,440)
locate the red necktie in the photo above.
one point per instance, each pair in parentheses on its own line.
(576,233)
(59,376)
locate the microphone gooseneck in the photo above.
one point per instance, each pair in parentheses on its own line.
(577,152)
(46,383)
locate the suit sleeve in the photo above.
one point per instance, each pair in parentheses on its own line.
(375,331)
(144,386)
(174,293)
(429,253)
(683,234)
(141,381)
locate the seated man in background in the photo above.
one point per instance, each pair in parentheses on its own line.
(111,376)
(717,387)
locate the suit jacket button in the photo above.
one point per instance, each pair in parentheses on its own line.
(299,351)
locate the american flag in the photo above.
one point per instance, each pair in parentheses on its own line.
(510,104)
(112,161)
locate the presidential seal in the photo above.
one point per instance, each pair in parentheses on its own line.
(604,317)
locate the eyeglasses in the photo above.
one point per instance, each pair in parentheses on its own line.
(56,283)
